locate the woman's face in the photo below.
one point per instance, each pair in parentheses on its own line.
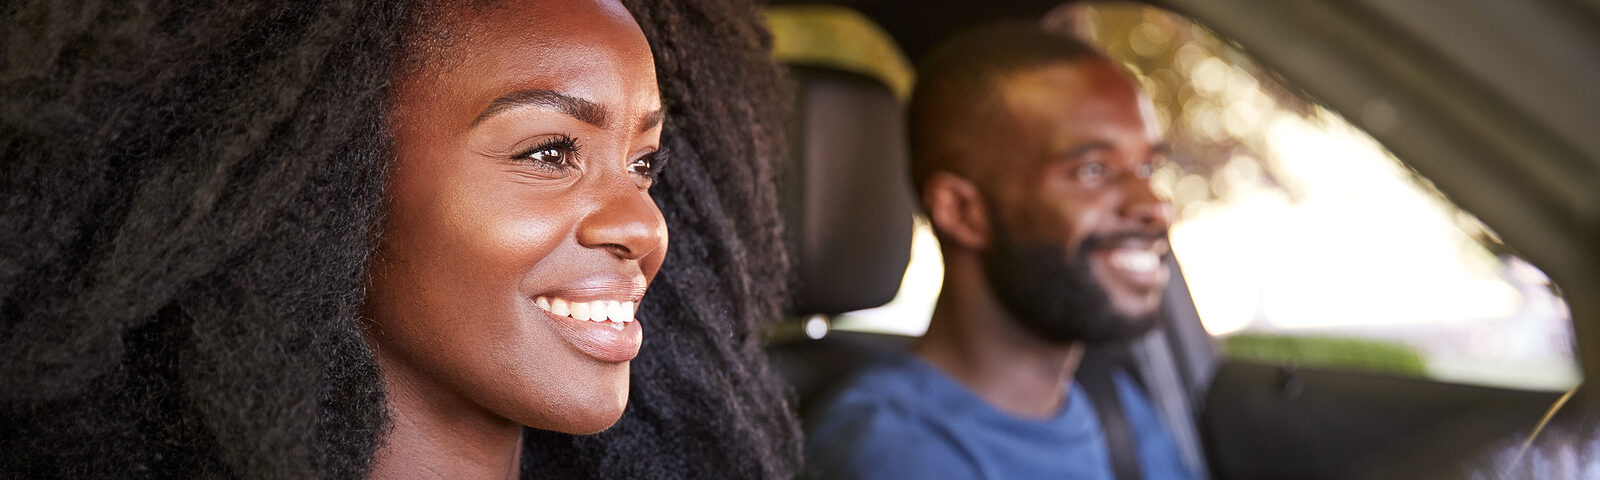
(518,211)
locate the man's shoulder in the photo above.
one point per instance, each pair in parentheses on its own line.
(889,392)
(882,424)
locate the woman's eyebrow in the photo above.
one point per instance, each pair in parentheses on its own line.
(651,120)
(583,110)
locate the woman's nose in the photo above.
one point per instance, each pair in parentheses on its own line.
(627,224)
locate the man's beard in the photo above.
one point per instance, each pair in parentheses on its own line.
(1055,296)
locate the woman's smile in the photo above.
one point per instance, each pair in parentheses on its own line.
(596,316)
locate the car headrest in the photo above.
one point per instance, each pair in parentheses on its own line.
(846,195)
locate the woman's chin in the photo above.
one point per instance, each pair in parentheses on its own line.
(587,421)
(599,424)
(588,413)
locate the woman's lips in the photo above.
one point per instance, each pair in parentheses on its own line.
(600,328)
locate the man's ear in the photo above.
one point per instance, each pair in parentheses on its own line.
(956,209)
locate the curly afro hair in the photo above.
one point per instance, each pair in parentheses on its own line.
(189,198)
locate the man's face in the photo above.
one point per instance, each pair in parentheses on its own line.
(1077,237)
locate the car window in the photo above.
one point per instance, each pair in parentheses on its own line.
(1302,239)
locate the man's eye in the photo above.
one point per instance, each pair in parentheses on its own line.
(1146,171)
(1089,171)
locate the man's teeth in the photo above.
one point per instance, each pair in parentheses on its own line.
(618,313)
(1137,261)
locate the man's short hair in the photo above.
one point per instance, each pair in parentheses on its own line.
(955,82)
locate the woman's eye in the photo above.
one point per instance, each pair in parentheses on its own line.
(557,152)
(643,166)
(647,167)
(549,155)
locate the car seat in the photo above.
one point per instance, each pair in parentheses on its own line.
(848,210)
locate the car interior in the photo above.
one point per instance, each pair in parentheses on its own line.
(1496,109)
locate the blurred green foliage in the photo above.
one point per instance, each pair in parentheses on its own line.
(1328,352)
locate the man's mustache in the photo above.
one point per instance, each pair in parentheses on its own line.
(1094,242)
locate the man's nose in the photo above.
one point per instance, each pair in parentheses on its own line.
(1143,206)
(627,224)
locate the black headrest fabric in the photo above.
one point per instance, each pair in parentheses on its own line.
(846,196)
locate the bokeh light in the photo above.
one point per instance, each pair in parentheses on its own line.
(1293,222)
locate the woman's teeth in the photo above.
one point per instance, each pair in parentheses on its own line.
(618,313)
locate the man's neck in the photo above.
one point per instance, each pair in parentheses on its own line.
(994,357)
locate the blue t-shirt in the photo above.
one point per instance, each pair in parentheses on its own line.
(906,419)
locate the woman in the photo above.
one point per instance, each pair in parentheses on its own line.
(201,201)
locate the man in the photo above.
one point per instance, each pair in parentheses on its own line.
(1032,155)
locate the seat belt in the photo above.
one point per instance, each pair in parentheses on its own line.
(1094,373)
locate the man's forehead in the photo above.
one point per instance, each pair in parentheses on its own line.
(1065,100)
(1012,120)
(1062,85)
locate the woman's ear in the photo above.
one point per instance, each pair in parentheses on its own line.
(955,208)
